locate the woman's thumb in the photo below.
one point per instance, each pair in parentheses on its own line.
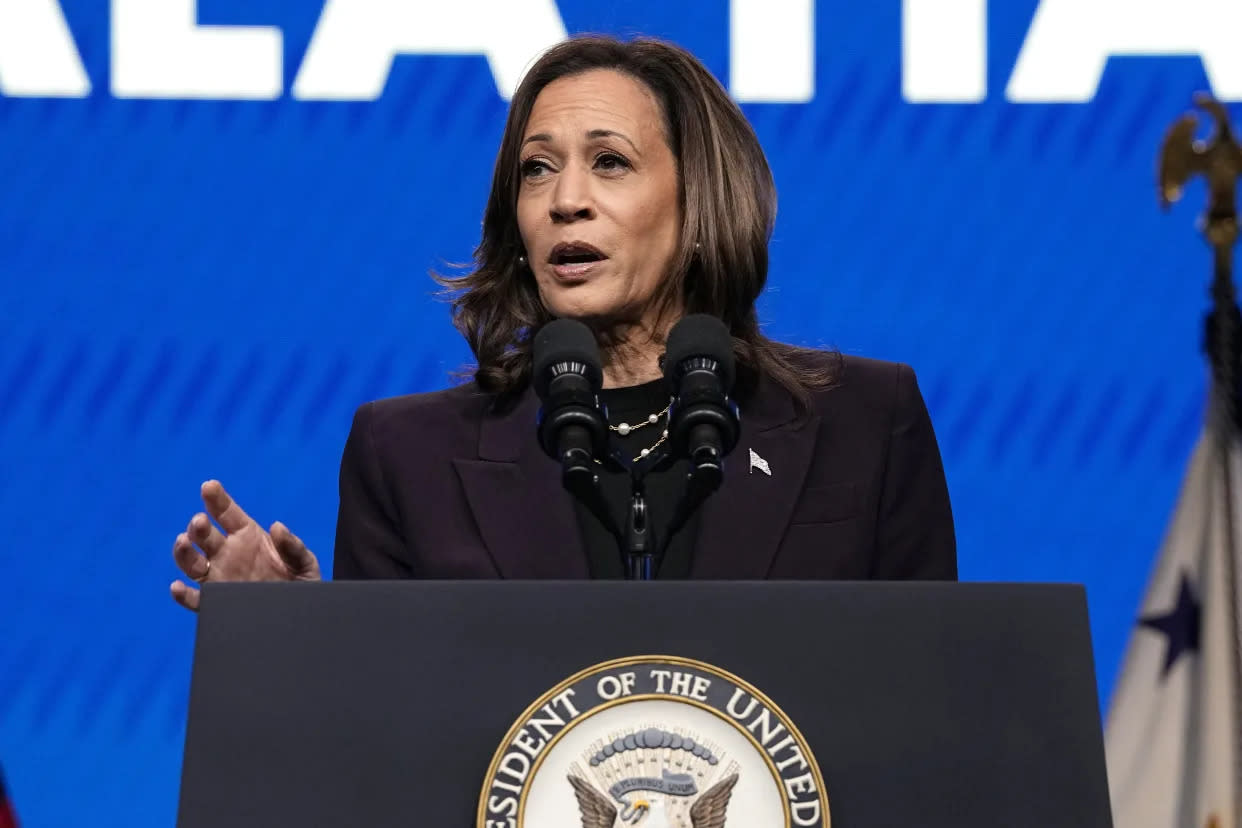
(292,551)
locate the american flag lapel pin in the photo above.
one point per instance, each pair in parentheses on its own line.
(757,462)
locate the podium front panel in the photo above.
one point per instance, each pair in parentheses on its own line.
(385,703)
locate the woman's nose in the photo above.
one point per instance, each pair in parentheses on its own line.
(571,200)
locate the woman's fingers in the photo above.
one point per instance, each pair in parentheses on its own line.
(205,535)
(293,552)
(188,558)
(185,595)
(246,543)
(223,508)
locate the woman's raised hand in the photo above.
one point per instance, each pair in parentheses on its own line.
(243,551)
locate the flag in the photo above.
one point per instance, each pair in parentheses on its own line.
(7,818)
(757,462)
(1172,738)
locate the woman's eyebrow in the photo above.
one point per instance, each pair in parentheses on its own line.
(593,133)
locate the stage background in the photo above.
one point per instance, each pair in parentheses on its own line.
(206,288)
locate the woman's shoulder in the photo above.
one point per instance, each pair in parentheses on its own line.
(868,375)
(456,399)
(879,385)
(853,381)
(427,415)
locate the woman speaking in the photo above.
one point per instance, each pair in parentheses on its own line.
(629,192)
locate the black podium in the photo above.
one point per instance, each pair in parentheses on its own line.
(411,703)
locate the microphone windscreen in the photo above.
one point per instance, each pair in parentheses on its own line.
(565,340)
(699,335)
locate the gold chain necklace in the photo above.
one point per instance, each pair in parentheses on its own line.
(625,429)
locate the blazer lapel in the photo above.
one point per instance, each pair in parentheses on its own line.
(525,516)
(742,523)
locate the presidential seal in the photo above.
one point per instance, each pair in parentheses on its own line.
(653,742)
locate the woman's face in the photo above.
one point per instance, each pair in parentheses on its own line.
(598,203)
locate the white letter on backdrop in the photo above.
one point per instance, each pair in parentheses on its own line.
(944,51)
(772,50)
(160,51)
(352,50)
(38,58)
(1070,41)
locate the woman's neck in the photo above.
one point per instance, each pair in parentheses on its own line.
(631,354)
(631,363)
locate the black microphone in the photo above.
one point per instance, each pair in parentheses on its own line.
(567,377)
(699,368)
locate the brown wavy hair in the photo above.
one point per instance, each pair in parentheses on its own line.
(728,208)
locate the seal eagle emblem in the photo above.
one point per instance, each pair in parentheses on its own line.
(653,778)
(653,742)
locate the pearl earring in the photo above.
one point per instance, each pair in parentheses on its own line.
(521,261)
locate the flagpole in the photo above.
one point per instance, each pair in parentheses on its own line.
(1218,160)
(1223,338)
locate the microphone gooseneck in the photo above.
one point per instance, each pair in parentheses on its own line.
(567,378)
(704,423)
(572,426)
(699,367)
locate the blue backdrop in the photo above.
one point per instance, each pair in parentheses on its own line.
(196,288)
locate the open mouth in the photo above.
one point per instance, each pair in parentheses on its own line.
(575,253)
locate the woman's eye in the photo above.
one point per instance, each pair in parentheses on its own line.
(611,161)
(533,167)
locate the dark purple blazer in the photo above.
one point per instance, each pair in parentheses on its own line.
(434,486)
